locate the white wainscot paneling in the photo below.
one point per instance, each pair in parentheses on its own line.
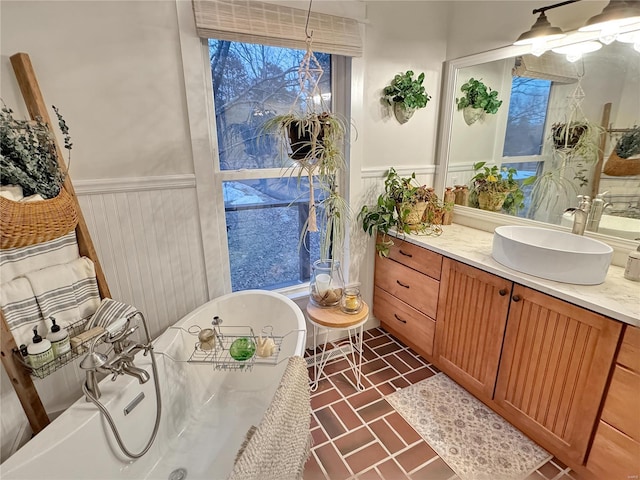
(147,236)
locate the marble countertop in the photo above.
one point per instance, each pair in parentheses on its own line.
(617,297)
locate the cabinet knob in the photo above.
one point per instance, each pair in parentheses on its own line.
(402,284)
(405,254)
(503,292)
(398,318)
(516,298)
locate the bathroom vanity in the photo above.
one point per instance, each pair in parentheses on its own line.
(558,361)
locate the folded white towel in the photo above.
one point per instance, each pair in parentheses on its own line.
(15,262)
(36,197)
(21,310)
(67,292)
(11,192)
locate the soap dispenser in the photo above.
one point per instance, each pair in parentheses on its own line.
(632,270)
(40,351)
(59,339)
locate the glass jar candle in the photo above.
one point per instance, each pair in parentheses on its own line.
(351,301)
(326,283)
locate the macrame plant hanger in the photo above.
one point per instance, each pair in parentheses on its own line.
(309,74)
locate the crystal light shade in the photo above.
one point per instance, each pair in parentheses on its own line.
(541,30)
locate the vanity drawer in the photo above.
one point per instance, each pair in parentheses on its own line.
(410,286)
(621,405)
(418,258)
(404,321)
(629,355)
(614,455)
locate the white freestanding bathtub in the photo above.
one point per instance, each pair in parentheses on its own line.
(206,412)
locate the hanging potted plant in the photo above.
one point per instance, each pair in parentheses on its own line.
(406,94)
(620,162)
(404,206)
(312,137)
(29,166)
(477,101)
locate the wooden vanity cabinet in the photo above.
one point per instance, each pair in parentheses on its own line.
(615,452)
(540,362)
(406,294)
(472,313)
(554,368)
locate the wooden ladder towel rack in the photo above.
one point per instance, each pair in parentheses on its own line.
(20,378)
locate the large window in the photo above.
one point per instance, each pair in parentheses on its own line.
(527,117)
(266,206)
(524,136)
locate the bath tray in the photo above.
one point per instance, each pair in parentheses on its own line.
(48,368)
(220,357)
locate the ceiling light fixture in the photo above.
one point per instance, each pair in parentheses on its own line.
(617,13)
(542,30)
(574,51)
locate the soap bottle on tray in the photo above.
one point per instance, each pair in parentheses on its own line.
(59,339)
(40,351)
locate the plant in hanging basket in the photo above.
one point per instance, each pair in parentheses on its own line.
(629,143)
(28,155)
(620,163)
(406,94)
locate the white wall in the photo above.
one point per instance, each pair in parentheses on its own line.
(114,70)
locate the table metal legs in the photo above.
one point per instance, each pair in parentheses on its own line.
(353,357)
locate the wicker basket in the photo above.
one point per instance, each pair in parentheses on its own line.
(621,167)
(28,223)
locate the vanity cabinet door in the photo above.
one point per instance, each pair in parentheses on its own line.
(472,312)
(553,371)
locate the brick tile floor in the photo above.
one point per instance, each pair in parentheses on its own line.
(358,435)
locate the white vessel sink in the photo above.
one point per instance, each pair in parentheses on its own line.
(551,254)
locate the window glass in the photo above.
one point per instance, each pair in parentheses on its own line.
(527,116)
(264,213)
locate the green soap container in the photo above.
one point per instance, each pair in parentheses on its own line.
(242,349)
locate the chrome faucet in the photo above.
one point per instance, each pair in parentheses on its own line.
(580,214)
(121,364)
(598,205)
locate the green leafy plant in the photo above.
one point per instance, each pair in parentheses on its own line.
(313,142)
(629,143)
(499,183)
(393,207)
(478,95)
(28,154)
(406,89)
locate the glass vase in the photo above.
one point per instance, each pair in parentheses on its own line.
(326,283)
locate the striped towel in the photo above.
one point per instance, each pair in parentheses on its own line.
(67,292)
(15,262)
(109,312)
(21,310)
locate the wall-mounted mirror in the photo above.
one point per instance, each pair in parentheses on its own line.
(597,97)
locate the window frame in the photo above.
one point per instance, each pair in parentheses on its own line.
(340,95)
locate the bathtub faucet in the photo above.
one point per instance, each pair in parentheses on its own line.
(121,364)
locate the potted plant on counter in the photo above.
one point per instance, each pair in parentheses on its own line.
(406,94)
(403,206)
(495,189)
(477,101)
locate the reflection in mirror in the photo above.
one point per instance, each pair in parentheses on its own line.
(554,132)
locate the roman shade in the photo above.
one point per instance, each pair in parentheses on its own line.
(547,67)
(268,24)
